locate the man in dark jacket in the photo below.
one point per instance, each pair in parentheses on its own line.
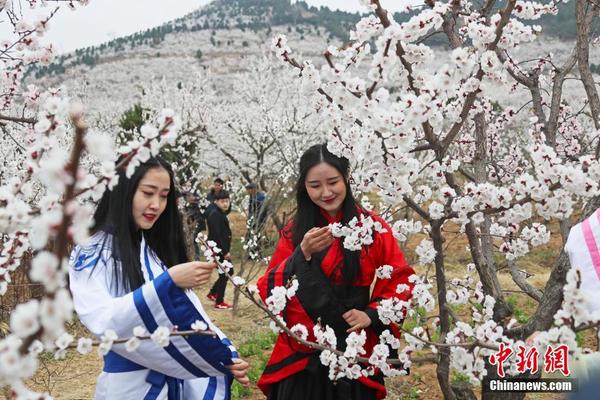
(210,197)
(220,233)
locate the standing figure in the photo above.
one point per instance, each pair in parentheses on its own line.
(210,196)
(195,218)
(257,207)
(220,233)
(334,284)
(257,217)
(134,273)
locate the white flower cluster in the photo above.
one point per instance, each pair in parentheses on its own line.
(161,336)
(576,308)
(300,330)
(403,228)
(153,139)
(277,301)
(426,252)
(384,272)
(358,233)
(392,310)
(325,336)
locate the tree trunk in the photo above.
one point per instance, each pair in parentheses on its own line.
(236,293)
(443,367)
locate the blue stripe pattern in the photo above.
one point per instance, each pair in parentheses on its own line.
(182,313)
(83,258)
(158,380)
(116,363)
(151,326)
(228,382)
(227,342)
(147,262)
(211,389)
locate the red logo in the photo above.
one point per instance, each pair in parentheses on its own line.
(498,358)
(557,359)
(528,359)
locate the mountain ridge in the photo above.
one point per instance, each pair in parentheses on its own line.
(255,16)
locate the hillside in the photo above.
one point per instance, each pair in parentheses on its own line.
(254,18)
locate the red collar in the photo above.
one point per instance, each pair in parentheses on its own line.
(329,218)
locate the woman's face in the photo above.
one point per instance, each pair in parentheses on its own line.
(326,187)
(150,198)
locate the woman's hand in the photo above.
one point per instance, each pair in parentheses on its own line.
(239,370)
(356,319)
(316,240)
(191,274)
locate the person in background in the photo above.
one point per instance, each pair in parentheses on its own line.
(257,207)
(220,233)
(218,184)
(257,217)
(195,218)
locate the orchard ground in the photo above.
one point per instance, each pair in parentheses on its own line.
(74,378)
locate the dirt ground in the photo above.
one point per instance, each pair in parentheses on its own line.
(74,379)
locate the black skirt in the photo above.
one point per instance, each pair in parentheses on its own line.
(313,383)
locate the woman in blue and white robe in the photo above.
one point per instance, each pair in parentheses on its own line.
(102,273)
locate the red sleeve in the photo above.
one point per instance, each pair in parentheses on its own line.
(275,273)
(284,249)
(387,252)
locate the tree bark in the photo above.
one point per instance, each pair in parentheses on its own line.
(585,13)
(443,367)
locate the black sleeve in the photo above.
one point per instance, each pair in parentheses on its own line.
(217,231)
(226,235)
(315,292)
(376,323)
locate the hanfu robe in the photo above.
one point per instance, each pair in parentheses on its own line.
(323,295)
(583,248)
(192,367)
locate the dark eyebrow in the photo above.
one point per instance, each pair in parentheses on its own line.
(154,187)
(329,179)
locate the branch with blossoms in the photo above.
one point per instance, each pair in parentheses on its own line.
(161,337)
(211,252)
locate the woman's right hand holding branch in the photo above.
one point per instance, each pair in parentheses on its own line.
(316,240)
(191,274)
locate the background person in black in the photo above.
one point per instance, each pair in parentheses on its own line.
(218,184)
(220,233)
(257,208)
(195,217)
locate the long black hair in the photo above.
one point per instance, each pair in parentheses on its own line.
(308,214)
(114,215)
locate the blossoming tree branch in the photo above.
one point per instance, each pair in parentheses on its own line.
(427,136)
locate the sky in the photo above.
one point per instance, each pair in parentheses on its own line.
(103,20)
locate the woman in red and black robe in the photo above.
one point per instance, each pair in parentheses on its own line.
(334,284)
